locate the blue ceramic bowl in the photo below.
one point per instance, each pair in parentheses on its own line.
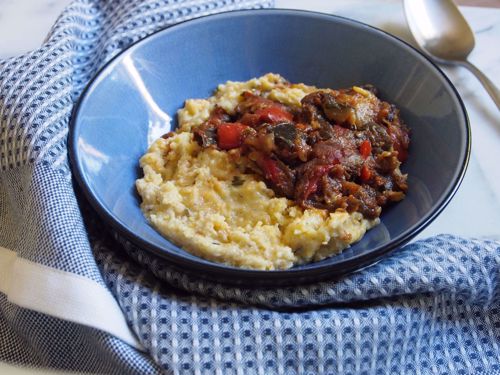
(146,84)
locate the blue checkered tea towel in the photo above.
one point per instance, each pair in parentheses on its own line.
(74,297)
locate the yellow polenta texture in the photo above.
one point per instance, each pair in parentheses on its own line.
(188,195)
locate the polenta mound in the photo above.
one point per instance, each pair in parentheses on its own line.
(212,201)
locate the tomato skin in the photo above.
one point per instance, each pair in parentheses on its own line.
(365,149)
(366,173)
(274,115)
(229,135)
(271,115)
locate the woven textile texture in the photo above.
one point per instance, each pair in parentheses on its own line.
(433,307)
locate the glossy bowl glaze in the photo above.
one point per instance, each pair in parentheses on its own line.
(135,98)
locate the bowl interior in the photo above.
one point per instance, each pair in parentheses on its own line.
(136,96)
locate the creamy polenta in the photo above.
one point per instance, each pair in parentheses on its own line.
(207,202)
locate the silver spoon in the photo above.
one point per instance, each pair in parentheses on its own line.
(442,31)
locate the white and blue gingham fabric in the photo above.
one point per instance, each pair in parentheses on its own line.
(433,307)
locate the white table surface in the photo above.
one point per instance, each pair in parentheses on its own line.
(475,209)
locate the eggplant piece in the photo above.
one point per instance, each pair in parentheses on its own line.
(206,135)
(286,133)
(337,112)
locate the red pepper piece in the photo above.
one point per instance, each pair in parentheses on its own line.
(229,135)
(365,149)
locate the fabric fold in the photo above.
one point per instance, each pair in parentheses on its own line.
(433,305)
(444,264)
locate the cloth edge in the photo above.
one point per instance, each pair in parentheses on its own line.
(63,295)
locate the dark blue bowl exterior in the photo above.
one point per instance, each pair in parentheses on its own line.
(154,77)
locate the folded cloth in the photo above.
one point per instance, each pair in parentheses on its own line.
(73,296)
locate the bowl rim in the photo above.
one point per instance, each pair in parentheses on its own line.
(231,274)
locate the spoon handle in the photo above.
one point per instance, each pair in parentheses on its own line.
(488,85)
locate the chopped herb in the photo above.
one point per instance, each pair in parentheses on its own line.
(237,181)
(168,135)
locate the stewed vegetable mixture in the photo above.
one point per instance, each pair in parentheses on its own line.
(340,150)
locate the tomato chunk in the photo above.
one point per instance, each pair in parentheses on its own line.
(365,149)
(400,140)
(279,175)
(229,135)
(274,172)
(402,152)
(271,170)
(314,178)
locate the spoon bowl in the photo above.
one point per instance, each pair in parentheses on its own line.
(441,30)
